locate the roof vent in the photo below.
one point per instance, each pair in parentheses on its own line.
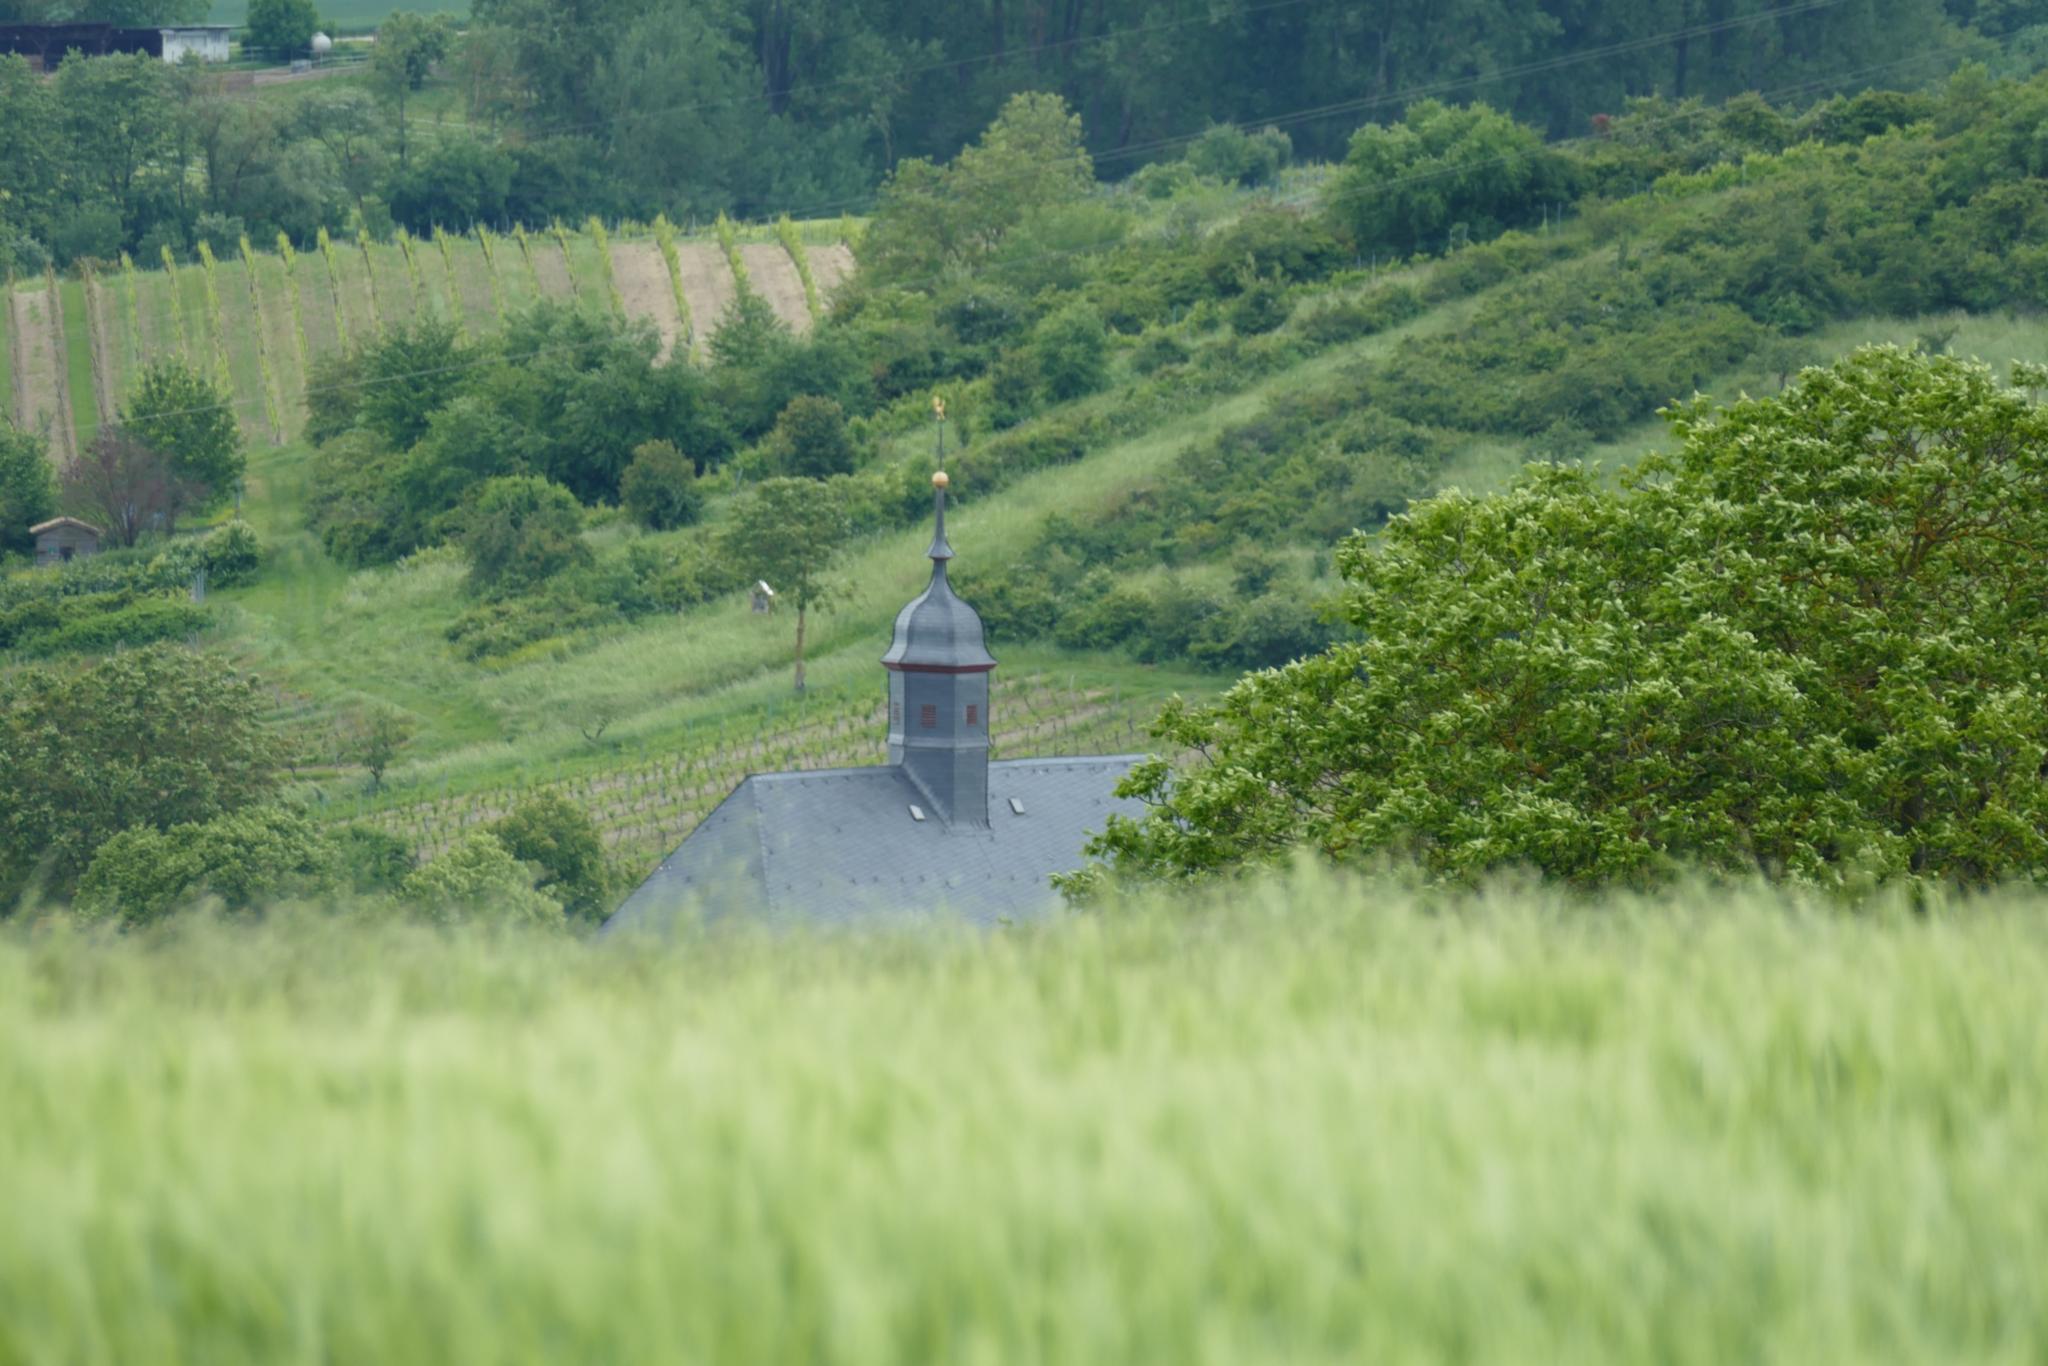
(1016,806)
(916,812)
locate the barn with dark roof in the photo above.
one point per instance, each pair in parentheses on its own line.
(938,829)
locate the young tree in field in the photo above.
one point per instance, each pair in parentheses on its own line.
(185,417)
(407,49)
(378,738)
(121,485)
(786,531)
(1809,641)
(145,738)
(810,439)
(284,26)
(28,489)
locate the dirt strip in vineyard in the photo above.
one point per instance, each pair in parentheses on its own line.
(43,399)
(643,284)
(774,277)
(829,267)
(707,284)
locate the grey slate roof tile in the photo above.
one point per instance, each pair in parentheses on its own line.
(839,845)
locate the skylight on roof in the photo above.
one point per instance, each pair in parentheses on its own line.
(916,812)
(1016,806)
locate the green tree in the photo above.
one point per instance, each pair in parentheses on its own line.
(176,411)
(145,738)
(810,439)
(1443,170)
(245,858)
(1807,641)
(283,26)
(408,48)
(519,531)
(555,835)
(28,488)
(1071,352)
(660,487)
(478,880)
(928,221)
(786,531)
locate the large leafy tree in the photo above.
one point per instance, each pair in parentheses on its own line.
(143,739)
(1810,640)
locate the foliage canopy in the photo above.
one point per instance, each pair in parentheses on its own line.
(1810,640)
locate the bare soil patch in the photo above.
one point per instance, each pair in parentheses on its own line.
(551,266)
(642,277)
(707,284)
(775,278)
(42,396)
(829,267)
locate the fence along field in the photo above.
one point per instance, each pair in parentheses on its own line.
(256,316)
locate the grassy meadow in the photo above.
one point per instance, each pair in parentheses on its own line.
(1304,1120)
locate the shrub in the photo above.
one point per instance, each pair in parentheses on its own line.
(478,880)
(1261,307)
(810,439)
(558,837)
(660,487)
(28,487)
(1407,186)
(519,531)
(244,858)
(1228,153)
(154,737)
(1071,351)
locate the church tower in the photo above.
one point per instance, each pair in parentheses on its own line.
(938,692)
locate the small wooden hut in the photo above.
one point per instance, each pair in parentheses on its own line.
(64,539)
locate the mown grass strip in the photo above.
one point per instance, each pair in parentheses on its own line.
(290,258)
(264,372)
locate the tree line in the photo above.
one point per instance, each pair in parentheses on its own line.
(627,108)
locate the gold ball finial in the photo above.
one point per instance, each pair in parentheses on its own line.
(940,480)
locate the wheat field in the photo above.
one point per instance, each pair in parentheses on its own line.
(1298,1120)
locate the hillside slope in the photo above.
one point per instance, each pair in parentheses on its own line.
(258,319)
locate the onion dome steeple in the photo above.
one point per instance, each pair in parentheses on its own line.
(936,630)
(939,668)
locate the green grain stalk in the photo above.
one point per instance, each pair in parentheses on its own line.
(177,304)
(454,285)
(595,227)
(561,236)
(412,268)
(488,241)
(291,280)
(729,240)
(793,243)
(270,399)
(215,319)
(334,288)
(95,345)
(370,279)
(665,237)
(526,255)
(129,287)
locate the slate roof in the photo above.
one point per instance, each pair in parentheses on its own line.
(839,845)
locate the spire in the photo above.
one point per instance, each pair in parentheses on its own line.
(940,551)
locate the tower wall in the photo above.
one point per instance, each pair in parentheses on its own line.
(938,733)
